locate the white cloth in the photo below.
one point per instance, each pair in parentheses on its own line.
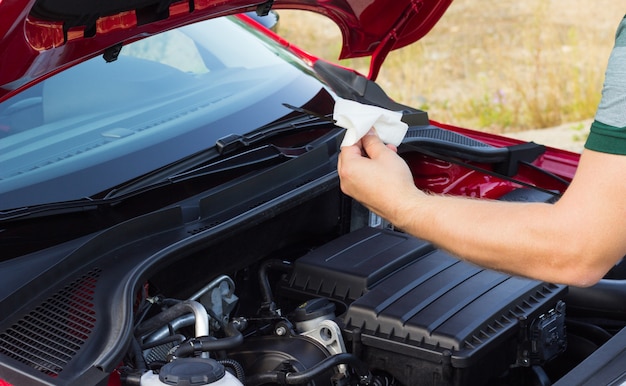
(358,119)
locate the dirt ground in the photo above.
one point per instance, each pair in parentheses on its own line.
(570,136)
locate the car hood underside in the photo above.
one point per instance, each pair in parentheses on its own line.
(44,36)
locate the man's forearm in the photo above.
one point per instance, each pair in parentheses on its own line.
(535,240)
(575,241)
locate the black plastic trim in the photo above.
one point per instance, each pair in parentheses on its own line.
(130,252)
(606,366)
(448,143)
(349,84)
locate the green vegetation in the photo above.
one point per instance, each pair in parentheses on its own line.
(496,66)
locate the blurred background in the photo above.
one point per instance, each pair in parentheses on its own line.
(499,66)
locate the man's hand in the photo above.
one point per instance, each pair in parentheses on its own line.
(373,174)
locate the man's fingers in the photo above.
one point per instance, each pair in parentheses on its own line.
(374,146)
(351,150)
(349,154)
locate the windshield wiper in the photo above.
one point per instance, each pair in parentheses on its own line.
(306,120)
(78,205)
(183,170)
(227,145)
(302,110)
(253,159)
(261,157)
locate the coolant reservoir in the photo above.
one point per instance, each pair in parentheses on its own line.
(191,372)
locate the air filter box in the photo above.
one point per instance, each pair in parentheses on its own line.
(419,313)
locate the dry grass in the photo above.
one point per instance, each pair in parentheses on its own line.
(492,65)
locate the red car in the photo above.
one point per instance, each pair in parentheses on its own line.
(170,213)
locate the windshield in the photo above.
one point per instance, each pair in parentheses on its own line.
(99,124)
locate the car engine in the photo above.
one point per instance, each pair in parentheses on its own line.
(372,307)
(289,284)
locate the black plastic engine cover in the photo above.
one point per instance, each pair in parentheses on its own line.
(407,300)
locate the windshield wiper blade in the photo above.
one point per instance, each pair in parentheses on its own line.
(306,120)
(302,110)
(224,146)
(228,145)
(268,154)
(261,157)
(61,207)
(254,159)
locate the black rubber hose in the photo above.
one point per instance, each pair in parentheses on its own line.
(168,339)
(309,375)
(137,353)
(207,343)
(266,289)
(163,318)
(236,366)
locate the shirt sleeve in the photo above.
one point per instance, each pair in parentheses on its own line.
(608,131)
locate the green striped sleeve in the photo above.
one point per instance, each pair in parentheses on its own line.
(608,131)
(607,139)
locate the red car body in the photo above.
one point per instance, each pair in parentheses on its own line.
(40,46)
(43,38)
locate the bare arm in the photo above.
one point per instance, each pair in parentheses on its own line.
(575,241)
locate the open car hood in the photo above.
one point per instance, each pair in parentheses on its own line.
(40,37)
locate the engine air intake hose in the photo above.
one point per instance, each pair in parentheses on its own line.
(207,343)
(309,375)
(178,309)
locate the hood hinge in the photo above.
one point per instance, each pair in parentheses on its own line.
(265,8)
(387,44)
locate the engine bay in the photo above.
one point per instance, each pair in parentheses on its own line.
(372,307)
(293,285)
